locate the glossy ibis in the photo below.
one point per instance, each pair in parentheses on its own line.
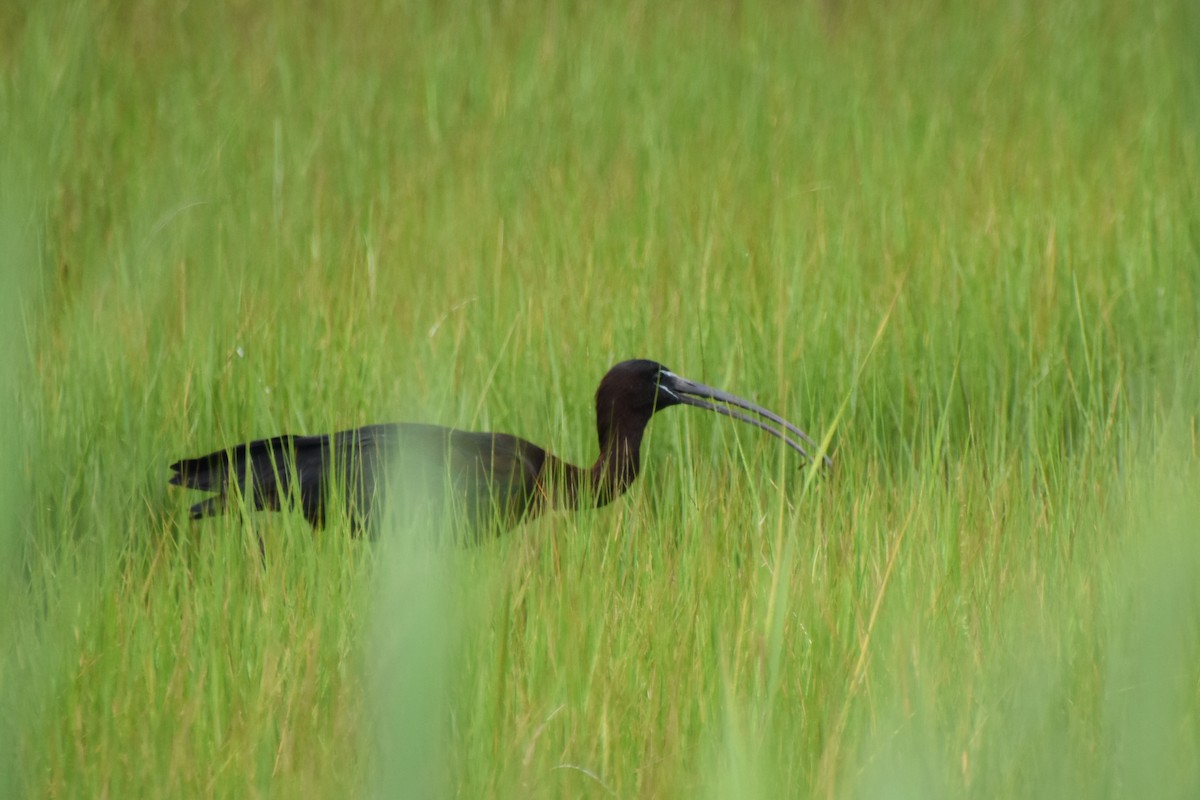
(493,477)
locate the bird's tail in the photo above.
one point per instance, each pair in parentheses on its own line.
(262,471)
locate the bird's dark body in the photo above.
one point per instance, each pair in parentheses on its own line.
(484,476)
(484,480)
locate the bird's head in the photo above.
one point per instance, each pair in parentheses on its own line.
(638,387)
(632,391)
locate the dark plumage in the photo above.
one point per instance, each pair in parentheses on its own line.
(482,478)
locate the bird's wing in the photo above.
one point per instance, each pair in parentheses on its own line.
(496,474)
(427,472)
(431,470)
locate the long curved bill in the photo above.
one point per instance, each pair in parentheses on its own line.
(690,392)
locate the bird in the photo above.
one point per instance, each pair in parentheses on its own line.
(487,480)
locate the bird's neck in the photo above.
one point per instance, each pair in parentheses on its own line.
(607,479)
(620,459)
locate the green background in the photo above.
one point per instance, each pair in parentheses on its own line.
(957,240)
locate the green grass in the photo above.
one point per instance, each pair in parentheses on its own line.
(960,240)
